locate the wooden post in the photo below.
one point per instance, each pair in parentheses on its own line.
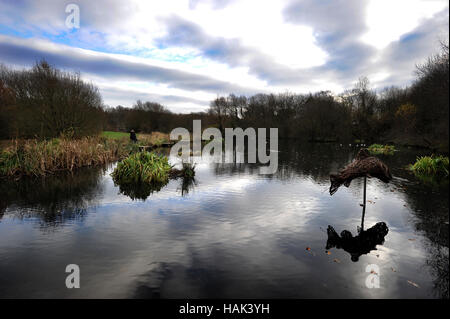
(364,203)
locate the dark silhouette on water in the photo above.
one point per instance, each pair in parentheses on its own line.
(363,243)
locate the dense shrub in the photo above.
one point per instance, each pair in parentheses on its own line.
(46,102)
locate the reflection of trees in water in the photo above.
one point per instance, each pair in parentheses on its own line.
(173,279)
(429,205)
(3,206)
(235,168)
(438,262)
(149,284)
(52,199)
(314,160)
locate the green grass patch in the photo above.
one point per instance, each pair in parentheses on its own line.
(141,174)
(379,149)
(431,166)
(115,135)
(142,167)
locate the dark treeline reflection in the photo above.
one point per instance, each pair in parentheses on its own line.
(297,159)
(431,218)
(53,199)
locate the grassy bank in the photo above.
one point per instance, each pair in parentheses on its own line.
(115,135)
(40,158)
(32,157)
(379,149)
(152,139)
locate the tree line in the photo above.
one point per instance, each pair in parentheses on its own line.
(45,102)
(415,115)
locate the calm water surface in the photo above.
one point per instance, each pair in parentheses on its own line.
(232,233)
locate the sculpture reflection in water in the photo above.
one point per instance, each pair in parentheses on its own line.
(361,244)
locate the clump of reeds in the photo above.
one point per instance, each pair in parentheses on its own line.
(142,167)
(431,166)
(379,149)
(40,158)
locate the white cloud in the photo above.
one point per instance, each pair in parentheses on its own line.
(262,46)
(388,20)
(260,25)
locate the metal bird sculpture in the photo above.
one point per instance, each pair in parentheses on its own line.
(365,166)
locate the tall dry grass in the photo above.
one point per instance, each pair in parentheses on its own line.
(155,138)
(40,158)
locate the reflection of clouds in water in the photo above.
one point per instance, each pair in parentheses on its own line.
(237,234)
(286,207)
(168,230)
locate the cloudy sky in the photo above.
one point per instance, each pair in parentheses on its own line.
(184,53)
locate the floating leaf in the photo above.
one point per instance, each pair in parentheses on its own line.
(413,284)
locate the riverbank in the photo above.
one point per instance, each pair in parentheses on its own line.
(39,158)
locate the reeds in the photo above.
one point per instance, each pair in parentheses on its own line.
(40,158)
(431,166)
(153,139)
(142,167)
